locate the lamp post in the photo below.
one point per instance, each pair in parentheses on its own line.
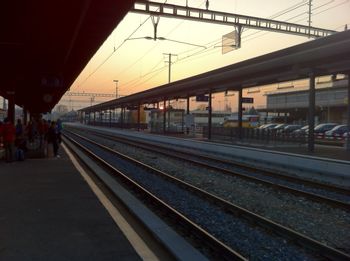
(116,88)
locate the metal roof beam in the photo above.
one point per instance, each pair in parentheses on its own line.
(202,15)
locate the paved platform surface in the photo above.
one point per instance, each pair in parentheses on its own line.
(323,151)
(48,212)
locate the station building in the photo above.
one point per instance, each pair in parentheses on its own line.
(292,105)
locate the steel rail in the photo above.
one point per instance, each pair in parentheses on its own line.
(313,196)
(251,217)
(205,238)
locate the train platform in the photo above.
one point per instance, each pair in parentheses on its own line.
(48,212)
(321,150)
(329,151)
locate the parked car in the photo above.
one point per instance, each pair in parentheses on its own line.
(346,134)
(268,126)
(320,129)
(290,128)
(279,126)
(301,132)
(337,132)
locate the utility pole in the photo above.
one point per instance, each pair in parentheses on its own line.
(169,74)
(169,62)
(169,80)
(116,88)
(92,99)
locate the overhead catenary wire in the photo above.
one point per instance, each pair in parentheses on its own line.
(153,70)
(202,53)
(171,31)
(280,13)
(209,50)
(147,52)
(148,79)
(114,50)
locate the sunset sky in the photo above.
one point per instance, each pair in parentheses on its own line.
(140,64)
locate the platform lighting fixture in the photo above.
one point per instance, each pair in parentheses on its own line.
(285,87)
(253,91)
(228,95)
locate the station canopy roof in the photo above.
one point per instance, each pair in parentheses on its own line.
(44,45)
(323,56)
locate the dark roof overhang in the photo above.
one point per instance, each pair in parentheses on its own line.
(44,45)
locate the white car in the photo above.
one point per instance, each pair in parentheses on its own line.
(337,132)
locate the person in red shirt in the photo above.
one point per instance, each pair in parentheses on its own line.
(8,136)
(1,127)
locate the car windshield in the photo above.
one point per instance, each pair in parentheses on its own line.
(325,126)
(339,127)
(270,125)
(293,127)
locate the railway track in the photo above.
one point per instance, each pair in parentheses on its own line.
(275,240)
(316,220)
(322,193)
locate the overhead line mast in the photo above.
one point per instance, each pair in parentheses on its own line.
(309,21)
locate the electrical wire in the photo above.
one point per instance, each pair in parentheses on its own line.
(161,70)
(144,75)
(114,50)
(280,13)
(171,31)
(209,51)
(264,33)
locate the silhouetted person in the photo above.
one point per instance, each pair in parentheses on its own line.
(59,129)
(52,138)
(20,141)
(9,135)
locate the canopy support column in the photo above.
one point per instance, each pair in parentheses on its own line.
(138,116)
(311,140)
(209,115)
(347,143)
(164,115)
(240,113)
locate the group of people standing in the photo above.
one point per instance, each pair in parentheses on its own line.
(17,139)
